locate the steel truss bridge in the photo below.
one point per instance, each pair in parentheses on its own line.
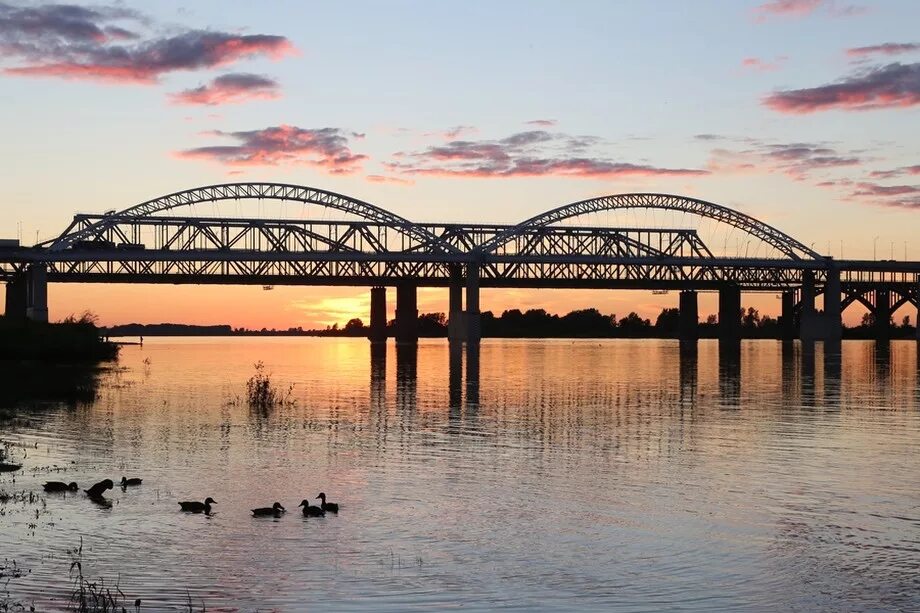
(148,243)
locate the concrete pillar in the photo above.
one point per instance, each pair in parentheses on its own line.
(882,314)
(787,317)
(809,324)
(378,331)
(730,314)
(689,316)
(455,328)
(407,313)
(473,332)
(37,292)
(16,298)
(834,327)
(917,319)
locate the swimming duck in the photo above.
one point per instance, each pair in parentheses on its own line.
(198,507)
(8,468)
(276,510)
(60,486)
(127,482)
(332,507)
(310,511)
(100,488)
(101,500)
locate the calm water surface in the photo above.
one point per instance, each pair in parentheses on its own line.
(612,475)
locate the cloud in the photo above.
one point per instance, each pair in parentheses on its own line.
(452,133)
(892,86)
(894,196)
(800,161)
(387,179)
(232,88)
(543,123)
(802,8)
(532,153)
(896,172)
(884,49)
(756,64)
(73,42)
(325,148)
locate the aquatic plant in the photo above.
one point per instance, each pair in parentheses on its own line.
(262,393)
(92,596)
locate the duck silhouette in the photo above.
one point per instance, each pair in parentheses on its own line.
(126,482)
(198,507)
(100,488)
(332,507)
(276,510)
(310,511)
(8,468)
(60,486)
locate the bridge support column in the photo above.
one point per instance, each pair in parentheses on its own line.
(407,313)
(37,293)
(378,331)
(473,332)
(689,316)
(787,317)
(882,314)
(917,319)
(730,315)
(807,317)
(455,328)
(16,297)
(834,324)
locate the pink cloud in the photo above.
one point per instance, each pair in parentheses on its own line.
(802,8)
(543,123)
(534,153)
(388,179)
(758,65)
(884,49)
(895,172)
(72,42)
(799,161)
(892,86)
(232,88)
(326,148)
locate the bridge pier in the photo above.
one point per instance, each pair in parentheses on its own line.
(689,316)
(16,297)
(833,330)
(787,317)
(378,328)
(882,314)
(455,328)
(407,313)
(730,315)
(473,323)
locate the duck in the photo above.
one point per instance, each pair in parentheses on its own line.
(198,507)
(8,468)
(99,488)
(101,500)
(332,507)
(310,511)
(60,486)
(276,510)
(126,482)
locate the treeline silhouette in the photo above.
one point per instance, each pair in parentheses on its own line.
(532,323)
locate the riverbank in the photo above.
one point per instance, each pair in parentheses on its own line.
(71,341)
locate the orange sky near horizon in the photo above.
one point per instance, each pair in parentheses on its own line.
(317,307)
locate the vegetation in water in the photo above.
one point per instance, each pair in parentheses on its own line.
(262,393)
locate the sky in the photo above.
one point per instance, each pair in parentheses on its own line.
(802,113)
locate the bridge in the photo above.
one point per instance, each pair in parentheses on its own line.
(366,245)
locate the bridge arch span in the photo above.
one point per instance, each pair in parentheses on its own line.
(267,191)
(784,243)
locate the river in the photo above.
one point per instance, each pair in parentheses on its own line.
(621,475)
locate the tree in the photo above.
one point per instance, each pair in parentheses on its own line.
(668,322)
(354,325)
